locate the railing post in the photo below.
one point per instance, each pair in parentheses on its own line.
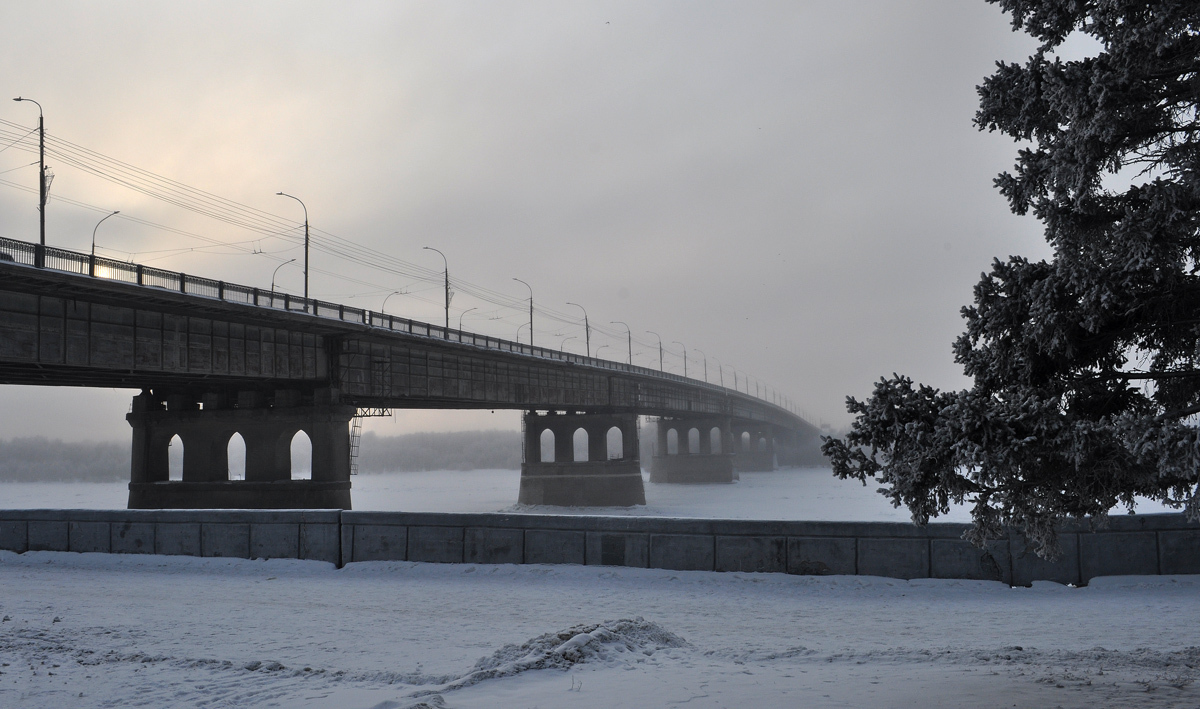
(287,301)
(255,295)
(220,290)
(341,312)
(92,265)
(39,256)
(182,283)
(139,274)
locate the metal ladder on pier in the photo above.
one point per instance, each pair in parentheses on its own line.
(356,433)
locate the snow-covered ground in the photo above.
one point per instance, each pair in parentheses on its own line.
(791,494)
(95,630)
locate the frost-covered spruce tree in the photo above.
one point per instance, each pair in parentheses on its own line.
(1086,368)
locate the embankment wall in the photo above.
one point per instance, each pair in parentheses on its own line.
(1136,544)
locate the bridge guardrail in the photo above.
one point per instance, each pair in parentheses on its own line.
(64,260)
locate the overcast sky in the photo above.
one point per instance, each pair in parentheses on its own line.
(793,188)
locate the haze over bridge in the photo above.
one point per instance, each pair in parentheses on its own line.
(213,359)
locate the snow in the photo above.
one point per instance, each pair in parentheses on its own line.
(789,494)
(96,630)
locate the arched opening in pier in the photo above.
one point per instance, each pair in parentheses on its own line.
(175,458)
(693,441)
(672,442)
(235,453)
(579,441)
(745,440)
(301,456)
(714,440)
(546,441)
(615,443)
(762,444)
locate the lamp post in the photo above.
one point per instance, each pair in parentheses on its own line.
(564,342)
(291,260)
(39,261)
(721,369)
(92,258)
(519,329)
(447,274)
(587,329)
(628,337)
(660,356)
(302,205)
(383,307)
(460,316)
(530,310)
(705,364)
(600,348)
(677,342)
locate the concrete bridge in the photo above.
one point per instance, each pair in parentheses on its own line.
(214,359)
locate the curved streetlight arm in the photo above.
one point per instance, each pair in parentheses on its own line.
(705,364)
(660,349)
(291,260)
(530,310)
(446,263)
(564,342)
(628,337)
(677,342)
(460,316)
(92,259)
(383,308)
(587,328)
(40,257)
(305,208)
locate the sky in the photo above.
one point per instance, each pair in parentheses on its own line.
(792,189)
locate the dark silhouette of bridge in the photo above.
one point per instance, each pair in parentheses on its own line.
(213,359)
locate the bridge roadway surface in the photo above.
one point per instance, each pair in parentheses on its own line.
(132,326)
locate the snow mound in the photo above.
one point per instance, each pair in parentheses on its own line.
(607,642)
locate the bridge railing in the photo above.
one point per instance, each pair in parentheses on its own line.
(57,259)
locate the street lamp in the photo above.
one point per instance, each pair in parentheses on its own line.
(291,260)
(530,311)
(721,369)
(284,194)
(41,254)
(447,274)
(92,258)
(460,316)
(628,337)
(600,348)
(705,364)
(564,342)
(660,357)
(677,342)
(383,307)
(587,329)
(519,329)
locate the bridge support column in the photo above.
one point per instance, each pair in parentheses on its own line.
(601,479)
(754,447)
(692,464)
(267,431)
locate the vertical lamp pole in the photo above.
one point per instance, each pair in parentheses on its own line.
(92,258)
(530,311)
(660,357)
(587,329)
(721,369)
(628,337)
(705,364)
(447,275)
(284,194)
(40,259)
(462,314)
(677,342)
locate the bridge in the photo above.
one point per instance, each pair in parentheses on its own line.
(213,359)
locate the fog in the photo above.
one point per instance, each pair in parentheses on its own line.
(792,189)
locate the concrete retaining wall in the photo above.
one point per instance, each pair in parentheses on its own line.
(1140,544)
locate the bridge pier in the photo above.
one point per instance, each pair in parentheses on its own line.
(754,447)
(595,481)
(694,461)
(205,427)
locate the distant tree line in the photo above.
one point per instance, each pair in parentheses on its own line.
(42,459)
